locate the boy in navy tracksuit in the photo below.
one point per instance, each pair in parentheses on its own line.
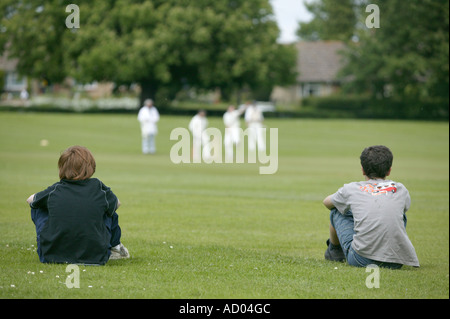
(75,218)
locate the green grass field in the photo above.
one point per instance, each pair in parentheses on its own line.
(223,230)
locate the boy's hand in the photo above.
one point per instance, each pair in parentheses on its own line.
(30,199)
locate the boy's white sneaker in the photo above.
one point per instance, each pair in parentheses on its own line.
(119,252)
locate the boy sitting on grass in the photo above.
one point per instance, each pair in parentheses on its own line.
(368,221)
(75,218)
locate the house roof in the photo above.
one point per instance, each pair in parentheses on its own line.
(319,61)
(7,64)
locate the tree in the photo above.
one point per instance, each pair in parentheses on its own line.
(163,45)
(34,35)
(332,20)
(407,57)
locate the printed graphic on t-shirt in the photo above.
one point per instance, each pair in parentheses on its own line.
(379,188)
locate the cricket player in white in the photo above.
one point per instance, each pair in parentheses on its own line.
(231,120)
(148,117)
(197,126)
(254,119)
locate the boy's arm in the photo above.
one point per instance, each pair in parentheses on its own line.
(39,199)
(328,203)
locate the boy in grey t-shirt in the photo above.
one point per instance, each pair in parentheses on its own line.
(368,218)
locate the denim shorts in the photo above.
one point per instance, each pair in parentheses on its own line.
(344,226)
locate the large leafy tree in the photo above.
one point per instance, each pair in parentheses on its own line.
(163,45)
(33,31)
(406,57)
(332,20)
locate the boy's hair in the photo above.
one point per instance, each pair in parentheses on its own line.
(76,163)
(376,161)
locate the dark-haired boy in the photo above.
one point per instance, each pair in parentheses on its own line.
(368,221)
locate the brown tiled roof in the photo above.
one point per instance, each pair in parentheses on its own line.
(7,64)
(319,61)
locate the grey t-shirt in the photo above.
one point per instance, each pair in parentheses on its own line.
(378,208)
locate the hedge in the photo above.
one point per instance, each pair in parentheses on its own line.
(363,107)
(324,107)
